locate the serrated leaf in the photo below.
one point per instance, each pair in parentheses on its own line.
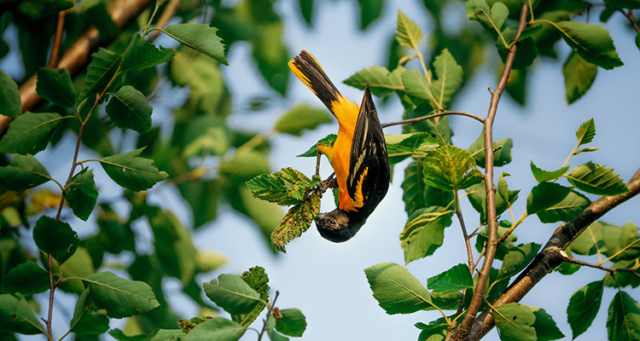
(17,317)
(30,132)
(543,175)
(415,84)
(82,194)
(414,187)
(590,241)
(104,64)
(408,33)
(567,209)
(578,77)
(380,80)
(450,168)
(295,222)
(284,187)
(628,242)
(131,172)
(56,238)
(292,322)
(218,328)
(141,54)
(583,307)
(27,279)
(400,147)
(396,290)
(592,42)
(597,179)
(129,109)
(424,232)
(545,195)
(258,280)
(455,279)
(232,294)
(505,198)
(24,172)
(492,19)
(313,151)
(517,259)
(87,320)
(56,87)
(200,37)
(502,151)
(623,322)
(503,248)
(515,322)
(545,326)
(301,117)
(118,296)
(10,104)
(449,80)
(586,132)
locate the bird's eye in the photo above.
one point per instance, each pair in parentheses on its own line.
(332,222)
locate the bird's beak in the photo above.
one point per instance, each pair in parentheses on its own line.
(319,217)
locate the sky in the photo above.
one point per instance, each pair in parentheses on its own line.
(326,281)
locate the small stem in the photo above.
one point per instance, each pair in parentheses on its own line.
(632,19)
(568,259)
(53,61)
(146,28)
(444,113)
(513,227)
(269,312)
(167,14)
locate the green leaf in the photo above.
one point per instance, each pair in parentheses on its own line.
(477,195)
(295,222)
(450,168)
(118,296)
(10,104)
(501,155)
(492,19)
(129,109)
(583,307)
(408,33)
(455,279)
(505,197)
(424,232)
(592,42)
(56,238)
(131,172)
(622,279)
(381,81)
(370,11)
(200,37)
(515,322)
(527,49)
(415,84)
(56,87)
(201,74)
(245,166)
(301,117)
(414,187)
(292,322)
(545,195)
(17,317)
(567,209)
(597,179)
(141,54)
(23,173)
(638,41)
(517,86)
(449,80)
(543,175)
(29,133)
(517,259)
(86,319)
(258,280)
(545,326)
(623,4)
(623,322)
(82,194)
(101,19)
(313,151)
(271,330)
(41,8)
(578,76)
(79,265)
(218,329)
(306,10)
(590,241)
(232,294)
(400,147)
(396,290)
(586,132)
(628,242)
(27,279)
(504,247)
(104,64)
(271,56)
(567,268)
(284,187)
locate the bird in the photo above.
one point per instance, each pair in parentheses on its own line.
(358,156)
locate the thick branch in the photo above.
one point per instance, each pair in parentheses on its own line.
(75,59)
(548,259)
(465,327)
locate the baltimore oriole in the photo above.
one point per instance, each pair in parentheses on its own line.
(358,155)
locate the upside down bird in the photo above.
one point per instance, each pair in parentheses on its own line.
(358,155)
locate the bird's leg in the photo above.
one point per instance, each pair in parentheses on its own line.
(318,156)
(330,182)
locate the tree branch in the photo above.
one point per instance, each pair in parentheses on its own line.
(167,14)
(568,259)
(53,61)
(465,327)
(444,113)
(548,259)
(632,19)
(75,59)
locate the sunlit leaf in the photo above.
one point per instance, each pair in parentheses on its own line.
(583,307)
(396,290)
(118,296)
(455,279)
(232,294)
(592,42)
(142,54)
(451,168)
(300,118)
(381,81)
(543,175)
(129,109)
(132,172)
(200,37)
(578,77)
(295,222)
(623,322)
(597,179)
(424,232)
(17,317)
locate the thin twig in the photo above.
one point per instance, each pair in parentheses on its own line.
(568,259)
(444,113)
(269,312)
(167,14)
(465,326)
(632,19)
(53,62)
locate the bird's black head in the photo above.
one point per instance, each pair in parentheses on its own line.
(338,226)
